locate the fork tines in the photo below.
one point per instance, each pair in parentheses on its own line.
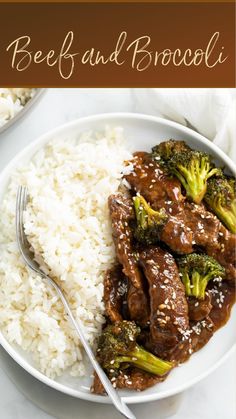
(21,202)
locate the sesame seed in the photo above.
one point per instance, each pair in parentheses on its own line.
(217,279)
(197,328)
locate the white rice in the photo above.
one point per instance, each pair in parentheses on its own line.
(68,225)
(12,101)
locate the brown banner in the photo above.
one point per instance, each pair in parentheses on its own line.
(118,1)
(117,45)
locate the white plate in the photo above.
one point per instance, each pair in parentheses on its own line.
(141,132)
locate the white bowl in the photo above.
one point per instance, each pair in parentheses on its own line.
(141,132)
(24,111)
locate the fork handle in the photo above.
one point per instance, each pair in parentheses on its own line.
(115,398)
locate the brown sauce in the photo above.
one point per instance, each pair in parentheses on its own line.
(222,302)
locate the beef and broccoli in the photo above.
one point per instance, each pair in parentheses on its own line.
(173,284)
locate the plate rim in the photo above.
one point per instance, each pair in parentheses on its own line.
(35,144)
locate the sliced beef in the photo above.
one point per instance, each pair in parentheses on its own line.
(122,213)
(152,181)
(138,305)
(225,251)
(199,309)
(133,379)
(97,386)
(176,235)
(115,290)
(169,308)
(210,234)
(203,224)
(191,226)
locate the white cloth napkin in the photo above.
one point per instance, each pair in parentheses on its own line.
(212,112)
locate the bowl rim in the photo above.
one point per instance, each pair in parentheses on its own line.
(4,175)
(27,107)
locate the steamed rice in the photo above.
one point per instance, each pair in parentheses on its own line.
(12,101)
(67,223)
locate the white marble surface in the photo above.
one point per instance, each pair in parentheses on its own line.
(213,398)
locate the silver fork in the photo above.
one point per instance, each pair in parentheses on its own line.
(24,247)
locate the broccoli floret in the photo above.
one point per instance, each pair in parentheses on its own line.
(193,168)
(221,199)
(117,350)
(196,271)
(149,223)
(167,149)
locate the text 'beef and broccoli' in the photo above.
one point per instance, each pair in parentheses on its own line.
(173,284)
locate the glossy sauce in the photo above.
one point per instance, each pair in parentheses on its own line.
(220,315)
